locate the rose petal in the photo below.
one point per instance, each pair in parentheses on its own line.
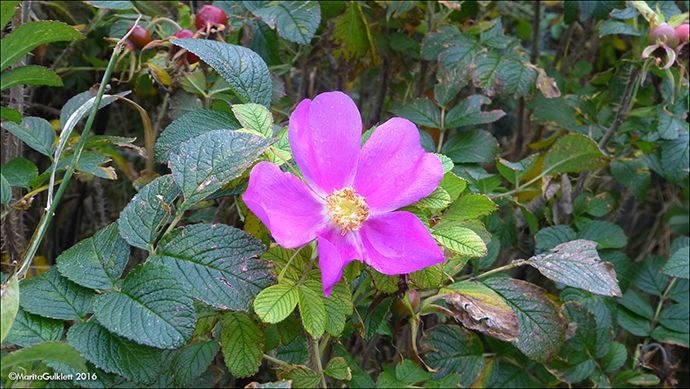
(287,206)
(335,252)
(325,135)
(398,243)
(394,170)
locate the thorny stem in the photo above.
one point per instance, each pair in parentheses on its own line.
(48,215)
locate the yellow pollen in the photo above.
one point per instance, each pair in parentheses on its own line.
(347,209)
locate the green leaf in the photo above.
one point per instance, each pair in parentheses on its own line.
(351,35)
(81,105)
(678,265)
(573,153)
(453,185)
(114,354)
(190,126)
(242,68)
(151,308)
(295,21)
(10,305)
(621,264)
(460,240)
(519,78)
(311,308)
(438,199)
(422,112)
(52,295)
(27,37)
(577,264)
(469,112)
(29,329)
(264,42)
(665,335)
(11,114)
(675,156)
(576,368)
(648,275)
(338,308)
(607,234)
(615,359)
(49,351)
(29,75)
(471,146)
(549,238)
(428,278)
(375,321)
(383,282)
(255,117)
(670,126)
(542,325)
(96,262)
(208,162)
(455,352)
(360,379)
(585,337)
(486,64)
(638,304)
(119,5)
(243,343)
(276,302)
(452,50)
(8,10)
(636,325)
(338,369)
(281,257)
(470,206)
(19,172)
(217,263)
(301,377)
(5,191)
(410,373)
(511,376)
(553,111)
(149,210)
(37,133)
(514,171)
(296,352)
(618,27)
(450,82)
(676,317)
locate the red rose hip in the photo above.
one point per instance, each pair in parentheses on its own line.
(210,14)
(191,57)
(140,37)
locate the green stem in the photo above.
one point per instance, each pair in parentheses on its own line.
(163,20)
(306,271)
(172,225)
(48,215)
(515,263)
(659,306)
(317,355)
(276,360)
(443,129)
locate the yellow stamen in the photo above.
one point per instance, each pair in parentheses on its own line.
(347,209)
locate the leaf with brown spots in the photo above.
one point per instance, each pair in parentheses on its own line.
(479,308)
(577,264)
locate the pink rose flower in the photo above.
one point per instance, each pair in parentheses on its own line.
(350,193)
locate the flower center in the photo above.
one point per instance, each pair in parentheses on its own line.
(347,209)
